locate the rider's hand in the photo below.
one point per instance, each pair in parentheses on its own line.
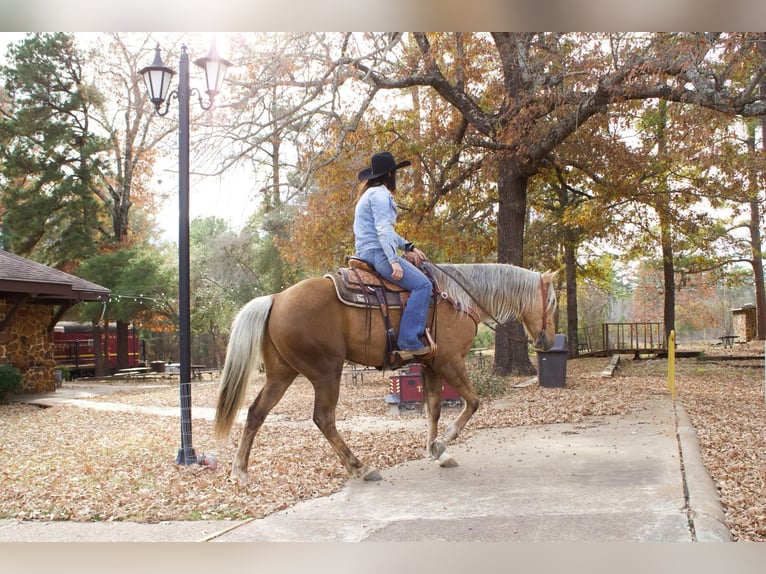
(416,257)
(396,271)
(420,255)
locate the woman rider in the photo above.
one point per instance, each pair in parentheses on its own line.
(377,242)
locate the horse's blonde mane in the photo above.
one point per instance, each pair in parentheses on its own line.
(494,290)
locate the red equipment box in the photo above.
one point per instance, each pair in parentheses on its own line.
(408,386)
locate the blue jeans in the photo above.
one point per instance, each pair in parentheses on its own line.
(413,323)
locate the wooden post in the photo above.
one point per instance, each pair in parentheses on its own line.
(672,364)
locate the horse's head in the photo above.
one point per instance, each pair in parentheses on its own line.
(503,292)
(538,320)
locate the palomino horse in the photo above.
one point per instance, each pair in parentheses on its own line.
(306,330)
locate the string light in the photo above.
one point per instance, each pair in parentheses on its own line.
(119,296)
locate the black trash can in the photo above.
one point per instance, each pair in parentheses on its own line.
(552,364)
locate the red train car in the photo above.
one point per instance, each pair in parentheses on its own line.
(73,347)
(407,387)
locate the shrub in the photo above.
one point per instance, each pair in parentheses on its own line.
(10,380)
(486,383)
(485,337)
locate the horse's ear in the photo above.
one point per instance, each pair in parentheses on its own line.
(550,276)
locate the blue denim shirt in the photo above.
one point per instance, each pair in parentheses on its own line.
(374,219)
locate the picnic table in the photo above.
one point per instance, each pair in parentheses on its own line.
(196,370)
(728,340)
(355,373)
(132,372)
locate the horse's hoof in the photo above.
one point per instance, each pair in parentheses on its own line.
(371,475)
(437,449)
(239,477)
(446,461)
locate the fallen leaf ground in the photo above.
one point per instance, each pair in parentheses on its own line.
(71,463)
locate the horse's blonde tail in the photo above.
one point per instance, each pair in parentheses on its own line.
(242,355)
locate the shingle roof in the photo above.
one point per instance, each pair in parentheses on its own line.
(19,276)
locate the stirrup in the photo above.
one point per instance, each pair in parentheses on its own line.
(432,344)
(428,352)
(409,355)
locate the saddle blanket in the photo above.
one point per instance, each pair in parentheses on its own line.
(361,288)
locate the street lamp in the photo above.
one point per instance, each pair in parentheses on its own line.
(157,78)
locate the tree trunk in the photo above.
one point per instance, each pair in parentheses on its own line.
(668,272)
(663,208)
(122,345)
(511,348)
(760,292)
(755,230)
(100,365)
(570,268)
(756,240)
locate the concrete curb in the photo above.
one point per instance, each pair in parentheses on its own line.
(706,515)
(611,367)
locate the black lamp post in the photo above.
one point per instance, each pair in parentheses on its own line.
(157,78)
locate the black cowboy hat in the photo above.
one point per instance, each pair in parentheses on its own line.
(381,164)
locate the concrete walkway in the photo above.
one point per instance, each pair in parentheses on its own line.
(611,478)
(607,479)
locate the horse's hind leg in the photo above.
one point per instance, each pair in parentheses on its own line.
(279,376)
(326,393)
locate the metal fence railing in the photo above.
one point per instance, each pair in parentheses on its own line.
(609,338)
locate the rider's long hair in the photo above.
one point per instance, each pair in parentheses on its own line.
(389,180)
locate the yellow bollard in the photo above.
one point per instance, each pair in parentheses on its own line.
(672,364)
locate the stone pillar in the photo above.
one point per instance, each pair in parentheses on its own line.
(27,344)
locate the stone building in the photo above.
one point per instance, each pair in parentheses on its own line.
(33,298)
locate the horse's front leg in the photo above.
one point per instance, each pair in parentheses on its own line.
(436,447)
(457,377)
